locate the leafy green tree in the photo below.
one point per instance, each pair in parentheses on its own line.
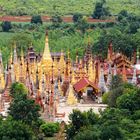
(49,129)
(129,101)
(116,90)
(77,17)
(23,41)
(22,108)
(36,19)
(82,24)
(134,26)
(17,88)
(116,82)
(80,119)
(100,10)
(56,20)
(15,130)
(112,132)
(90,133)
(6,26)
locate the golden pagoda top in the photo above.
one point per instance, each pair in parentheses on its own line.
(47,54)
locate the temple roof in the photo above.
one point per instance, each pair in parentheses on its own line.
(84,82)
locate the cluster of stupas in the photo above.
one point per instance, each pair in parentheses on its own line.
(50,78)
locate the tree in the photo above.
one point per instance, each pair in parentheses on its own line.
(56,20)
(100,10)
(22,108)
(82,24)
(22,40)
(116,82)
(6,26)
(36,19)
(112,132)
(116,90)
(80,119)
(91,133)
(49,128)
(17,88)
(15,130)
(130,101)
(77,17)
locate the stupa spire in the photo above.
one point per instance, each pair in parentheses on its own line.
(102,84)
(47,54)
(110,52)
(71,100)
(15,54)
(134,78)
(124,73)
(91,73)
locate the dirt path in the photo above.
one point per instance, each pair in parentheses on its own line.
(47,19)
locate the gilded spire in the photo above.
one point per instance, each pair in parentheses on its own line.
(71,100)
(91,73)
(62,63)
(15,54)
(73,77)
(47,54)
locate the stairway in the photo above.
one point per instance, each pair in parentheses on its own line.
(88,100)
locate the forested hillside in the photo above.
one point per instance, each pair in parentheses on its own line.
(63,7)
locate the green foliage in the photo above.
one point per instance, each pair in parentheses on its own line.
(17,88)
(80,119)
(50,128)
(6,26)
(100,10)
(64,7)
(36,19)
(116,88)
(116,82)
(111,132)
(82,24)
(105,97)
(90,133)
(130,101)
(15,130)
(56,21)
(77,17)
(22,108)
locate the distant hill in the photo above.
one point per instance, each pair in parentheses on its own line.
(63,7)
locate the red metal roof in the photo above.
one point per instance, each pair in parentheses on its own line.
(84,82)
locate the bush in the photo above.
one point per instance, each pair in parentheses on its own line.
(6,26)
(36,19)
(49,129)
(77,17)
(88,134)
(105,97)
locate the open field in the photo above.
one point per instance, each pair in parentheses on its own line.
(64,7)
